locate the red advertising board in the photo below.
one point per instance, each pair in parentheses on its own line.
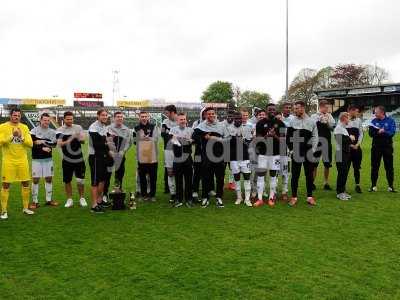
(83,103)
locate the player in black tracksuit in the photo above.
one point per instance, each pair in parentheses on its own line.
(302,141)
(119,139)
(325,124)
(354,128)
(382,129)
(197,161)
(343,143)
(183,163)
(167,124)
(212,136)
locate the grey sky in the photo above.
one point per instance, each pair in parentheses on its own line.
(174,49)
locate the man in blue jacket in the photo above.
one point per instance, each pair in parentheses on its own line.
(382,129)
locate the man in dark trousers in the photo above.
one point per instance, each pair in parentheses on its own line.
(354,128)
(183,163)
(213,138)
(197,160)
(382,129)
(343,143)
(119,140)
(302,141)
(146,135)
(325,124)
(99,159)
(167,124)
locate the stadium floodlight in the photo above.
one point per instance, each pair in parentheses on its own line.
(115,86)
(287,50)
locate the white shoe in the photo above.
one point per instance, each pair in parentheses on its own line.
(69,203)
(219,203)
(205,203)
(28,211)
(248,203)
(212,193)
(105,198)
(347,195)
(4,216)
(342,197)
(195,195)
(82,202)
(239,200)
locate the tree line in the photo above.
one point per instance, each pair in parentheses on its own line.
(302,87)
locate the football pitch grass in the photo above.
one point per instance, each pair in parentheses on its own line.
(336,250)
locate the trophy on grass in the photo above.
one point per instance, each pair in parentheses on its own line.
(117,195)
(132,201)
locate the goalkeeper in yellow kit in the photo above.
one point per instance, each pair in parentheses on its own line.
(15,140)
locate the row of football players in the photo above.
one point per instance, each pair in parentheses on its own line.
(250,154)
(254,148)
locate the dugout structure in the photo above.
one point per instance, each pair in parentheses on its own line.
(365,97)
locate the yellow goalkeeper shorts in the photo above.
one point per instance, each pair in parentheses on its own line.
(15,171)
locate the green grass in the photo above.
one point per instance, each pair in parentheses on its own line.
(337,250)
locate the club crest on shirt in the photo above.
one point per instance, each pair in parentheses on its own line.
(16,140)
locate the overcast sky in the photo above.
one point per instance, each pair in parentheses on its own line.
(173,49)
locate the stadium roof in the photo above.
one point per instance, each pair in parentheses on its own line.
(389,88)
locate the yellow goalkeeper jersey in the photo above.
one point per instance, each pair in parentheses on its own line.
(14,149)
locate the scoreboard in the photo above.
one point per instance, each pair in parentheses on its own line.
(88,95)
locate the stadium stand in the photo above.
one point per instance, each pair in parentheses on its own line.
(366,98)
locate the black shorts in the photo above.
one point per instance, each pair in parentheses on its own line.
(70,169)
(98,169)
(325,157)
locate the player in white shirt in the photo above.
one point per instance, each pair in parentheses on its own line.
(44,140)
(228,122)
(167,125)
(269,134)
(284,172)
(261,114)
(241,137)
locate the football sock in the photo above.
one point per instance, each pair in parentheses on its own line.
(247,190)
(4,199)
(25,192)
(35,192)
(49,190)
(260,186)
(171,185)
(238,189)
(272,186)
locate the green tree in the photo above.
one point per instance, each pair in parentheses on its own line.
(303,86)
(351,75)
(220,92)
(254,99)
(307,81)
